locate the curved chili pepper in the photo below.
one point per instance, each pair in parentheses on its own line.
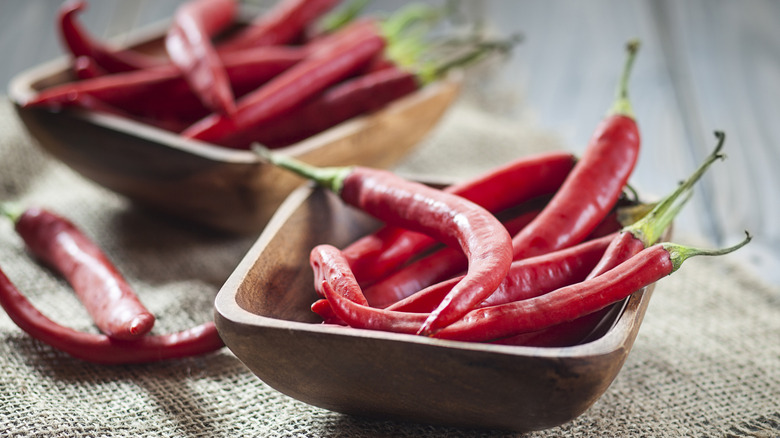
(594,184)
(188,44)
(291,88)
(106,295)
(447,218)
(102,349)
(80,43)
(561,305)
(374,256)
(431,269)
(279,25)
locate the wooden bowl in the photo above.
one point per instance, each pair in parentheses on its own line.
(263,315)
(206,184)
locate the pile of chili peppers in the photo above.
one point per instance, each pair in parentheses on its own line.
(294,71)
(511,270)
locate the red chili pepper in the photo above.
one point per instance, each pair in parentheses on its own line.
(291,88)
(358,96)
(188,44)
(279,25)
(363,94)
(161,92)
(106,295)
(328,264)
(374,256)
(85,67)
(442,265)
(437,267)
(80,43)
(564,304)
(628,242)
(375,298)
(99,348)
(447,218)
(647,231)
(527,278)
(568,333)
(595,183)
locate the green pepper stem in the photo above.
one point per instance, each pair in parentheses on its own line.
(339,18)
(679,253)
(11,211)
(407,18)
(622,104)
(649,228)
(482,49)
(331,178)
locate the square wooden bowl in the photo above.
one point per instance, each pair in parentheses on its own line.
(263,315)
(199,182)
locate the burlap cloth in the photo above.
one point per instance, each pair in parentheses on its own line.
(706,361)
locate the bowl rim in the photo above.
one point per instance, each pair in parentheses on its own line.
(226,306)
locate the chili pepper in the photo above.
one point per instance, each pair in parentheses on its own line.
(378,300)
(346,100)
(645,232)
(188,44)
(328,264)
(289,89)
(85,67)
(564,304)
(437,267)
(374,256)
(108,298)
(569,333)
(447,218)
(527,278)
(628,242)
(161,92)
(440,266)
(364,94)
(594,184)
(102,349)
(80,43)
(279,25)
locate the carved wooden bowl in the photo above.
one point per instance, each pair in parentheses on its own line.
(263,314)
(202,183)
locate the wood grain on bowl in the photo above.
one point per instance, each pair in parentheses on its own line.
(263,314)
(222,188)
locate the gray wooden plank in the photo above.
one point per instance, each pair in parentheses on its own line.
(726,59)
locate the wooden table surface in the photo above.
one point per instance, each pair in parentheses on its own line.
(705,65)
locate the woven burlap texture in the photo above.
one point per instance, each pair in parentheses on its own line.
(706,361)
